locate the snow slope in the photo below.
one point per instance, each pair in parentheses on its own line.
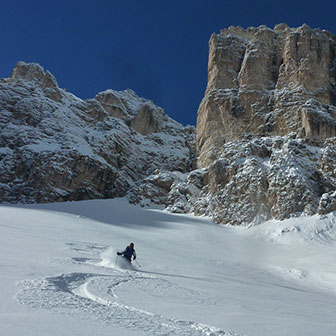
(59,274)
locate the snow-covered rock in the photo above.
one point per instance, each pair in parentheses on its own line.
(266,127)
(253,181)
(270,177)
(57,147)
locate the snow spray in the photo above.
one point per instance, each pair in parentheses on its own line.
(107,259)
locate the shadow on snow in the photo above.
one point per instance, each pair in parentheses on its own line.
(116,212)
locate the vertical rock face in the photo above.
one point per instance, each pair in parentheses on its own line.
(266,128)
(267,82)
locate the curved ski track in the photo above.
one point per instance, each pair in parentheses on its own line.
(96,296)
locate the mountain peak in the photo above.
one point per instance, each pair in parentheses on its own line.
(33,72)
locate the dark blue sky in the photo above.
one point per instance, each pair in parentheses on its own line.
(157,48)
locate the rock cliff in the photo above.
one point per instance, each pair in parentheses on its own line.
(57,147)
(265,82)
(265,136)
(265,127)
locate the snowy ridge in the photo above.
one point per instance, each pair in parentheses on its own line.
(57,147)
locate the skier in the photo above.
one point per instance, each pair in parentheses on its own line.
(128,253)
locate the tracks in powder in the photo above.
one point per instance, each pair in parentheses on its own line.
(103,295)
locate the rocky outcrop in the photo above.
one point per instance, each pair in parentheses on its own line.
(57,147)
(265,82)
(252,181)
(35,74)
(266,128)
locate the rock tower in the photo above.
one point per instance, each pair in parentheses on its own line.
(265,82)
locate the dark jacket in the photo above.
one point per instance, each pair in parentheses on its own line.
(128,253)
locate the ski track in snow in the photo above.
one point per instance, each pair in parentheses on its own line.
(99,296)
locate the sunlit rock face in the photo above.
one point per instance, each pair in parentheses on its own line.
(265,82)
(266,125)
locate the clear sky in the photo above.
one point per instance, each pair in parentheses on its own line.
(157,48)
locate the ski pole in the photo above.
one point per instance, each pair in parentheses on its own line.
(137,263)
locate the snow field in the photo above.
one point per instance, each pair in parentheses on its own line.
(61,274)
